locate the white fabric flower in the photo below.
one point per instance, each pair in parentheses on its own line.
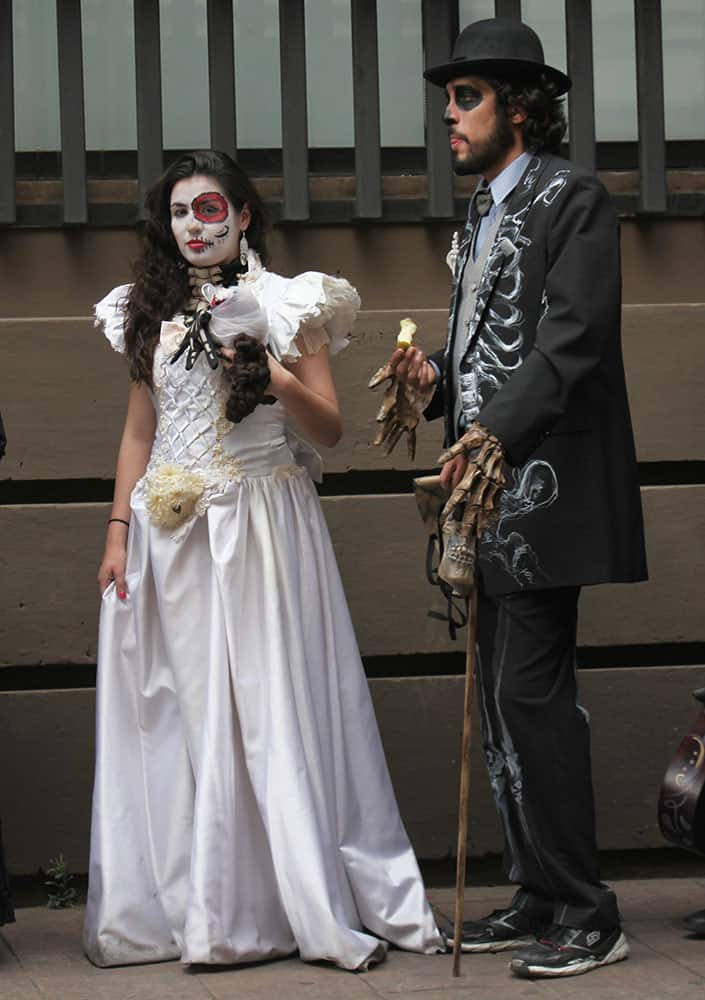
(171,495)
(236,311)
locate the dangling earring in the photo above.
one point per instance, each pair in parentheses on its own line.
(244,247)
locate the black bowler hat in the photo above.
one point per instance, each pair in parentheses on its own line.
(501,47)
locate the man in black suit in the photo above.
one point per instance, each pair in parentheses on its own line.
(533,359)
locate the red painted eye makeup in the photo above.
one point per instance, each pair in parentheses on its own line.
(210,207)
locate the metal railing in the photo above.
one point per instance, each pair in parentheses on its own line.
(439,28)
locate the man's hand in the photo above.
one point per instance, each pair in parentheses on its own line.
(412,368)
(480,483)
(453,471)
(402,404)
(474,470)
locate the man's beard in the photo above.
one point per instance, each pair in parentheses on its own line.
(481,158)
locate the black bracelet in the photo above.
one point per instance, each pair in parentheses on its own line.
(121,520)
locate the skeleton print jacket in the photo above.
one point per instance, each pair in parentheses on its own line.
(542,369)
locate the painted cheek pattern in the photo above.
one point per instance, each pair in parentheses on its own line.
(210,207)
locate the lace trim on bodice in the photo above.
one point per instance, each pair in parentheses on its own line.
(188,466)
(191,421)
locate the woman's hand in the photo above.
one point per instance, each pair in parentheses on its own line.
(114,560)
(135,449)
(308,393)
(279,376)
(227,355)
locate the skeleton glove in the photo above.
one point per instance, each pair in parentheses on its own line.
(479,490)
(401,409)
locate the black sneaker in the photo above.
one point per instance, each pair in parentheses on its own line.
(695,923)
(570,951)
(500,931)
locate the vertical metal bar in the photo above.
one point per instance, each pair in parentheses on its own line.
(650,105)
(507,8)
(8,212)
(71,110)
(148,80)
(581,96)
(292,55)
(368,159)
(440,28)
(221,76)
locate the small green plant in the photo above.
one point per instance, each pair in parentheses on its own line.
(58,882)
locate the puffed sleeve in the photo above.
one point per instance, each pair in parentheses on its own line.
(309,311)
(110,314)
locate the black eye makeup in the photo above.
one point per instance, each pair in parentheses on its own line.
(467,97)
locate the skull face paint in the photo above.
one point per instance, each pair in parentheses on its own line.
(204,222)
(466,97)
(479,132)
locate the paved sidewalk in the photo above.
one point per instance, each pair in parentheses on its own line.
(40,957)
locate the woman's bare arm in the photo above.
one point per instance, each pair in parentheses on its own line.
(135,449)
(307,391)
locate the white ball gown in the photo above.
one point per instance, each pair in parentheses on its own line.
(242,805)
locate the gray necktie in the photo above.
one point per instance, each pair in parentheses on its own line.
(483,200)
(483,203)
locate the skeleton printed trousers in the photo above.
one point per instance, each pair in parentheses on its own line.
(537,744)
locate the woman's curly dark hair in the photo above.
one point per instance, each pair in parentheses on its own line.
(545,124)
(248,377)
(161,285)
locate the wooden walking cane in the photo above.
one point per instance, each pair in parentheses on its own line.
(464,780)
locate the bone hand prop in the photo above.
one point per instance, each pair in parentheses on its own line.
(481,486)
(402,405)
(405,337)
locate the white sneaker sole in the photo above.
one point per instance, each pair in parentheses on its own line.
(618,952)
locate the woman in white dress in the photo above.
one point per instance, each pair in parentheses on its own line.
(242,805)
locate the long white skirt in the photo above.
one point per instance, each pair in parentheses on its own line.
(242,805)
